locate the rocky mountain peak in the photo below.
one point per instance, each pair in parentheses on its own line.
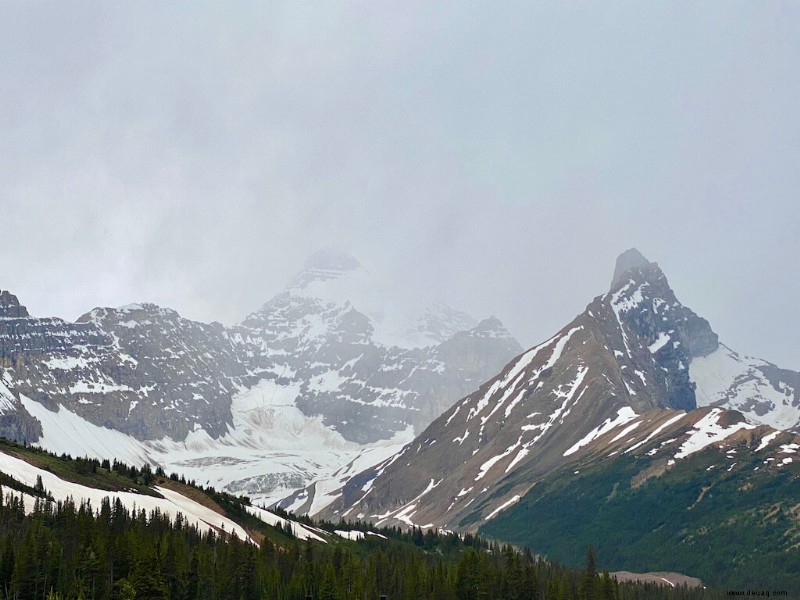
(628,367)
(10,306)
(642,298)
(491,327)
(131,314)
(630,260)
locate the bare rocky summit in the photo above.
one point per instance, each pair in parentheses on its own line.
(634,370)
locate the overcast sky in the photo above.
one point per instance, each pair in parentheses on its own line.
(495,155)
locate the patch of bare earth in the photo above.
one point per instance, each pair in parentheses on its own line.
(662,578)
(201,498)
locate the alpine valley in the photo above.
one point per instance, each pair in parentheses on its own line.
(329,377)
(632,429)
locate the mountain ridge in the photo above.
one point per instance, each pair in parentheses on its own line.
(183,392)
(625,361)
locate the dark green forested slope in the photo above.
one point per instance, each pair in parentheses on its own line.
(72,550)
(734,523)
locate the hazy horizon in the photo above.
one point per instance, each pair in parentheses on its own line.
(497,158)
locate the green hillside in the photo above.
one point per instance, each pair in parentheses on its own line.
(732,522)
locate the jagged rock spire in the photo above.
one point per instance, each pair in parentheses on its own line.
(628,260)
(10,306)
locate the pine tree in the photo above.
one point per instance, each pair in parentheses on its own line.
(328,589)
(147,579)
(607,589)
(193,578)
(588,589)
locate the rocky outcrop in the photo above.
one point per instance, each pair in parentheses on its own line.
(141,370)
(653,321)
(10,307)
(147,372)
(626,363)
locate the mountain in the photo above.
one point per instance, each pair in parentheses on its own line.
(636,379)
(333,370)
(369,360)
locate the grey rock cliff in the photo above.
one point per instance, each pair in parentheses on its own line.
(626,358)
(148,372)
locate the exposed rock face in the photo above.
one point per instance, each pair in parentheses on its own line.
(650,315)
(147,372)
(141,370)
(369,374)
(10,307)
(629,260)
(624,362)
(184,372)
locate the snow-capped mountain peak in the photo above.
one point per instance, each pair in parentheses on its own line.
(619,372)
(337,366)
(394,315)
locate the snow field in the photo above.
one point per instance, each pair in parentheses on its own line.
(172,503)
(723,377)
(708,431)
(270,437)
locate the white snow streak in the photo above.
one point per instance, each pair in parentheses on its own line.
(662,341)
(708,431)
(766,440)
(557,414)
(171,504)
(515,375)
(624,415)
(503,506)
(658,430)
(625,431)
(301,531)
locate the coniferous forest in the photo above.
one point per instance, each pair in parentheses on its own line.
(69,550)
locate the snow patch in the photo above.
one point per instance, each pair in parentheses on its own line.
(663,340)
(625,431)
(350,535)
(171,504)
(708,431)
(624,415)
(299,530)
(64,432)
(766,440)
(503,506)
(658,430)
(66,363)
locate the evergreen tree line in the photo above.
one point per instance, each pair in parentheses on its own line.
(65,550)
